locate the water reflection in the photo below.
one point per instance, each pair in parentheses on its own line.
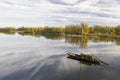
(9,33)
(54,37)
(57,67)
(44,58)
(83,41)
(30,34)
(99,39)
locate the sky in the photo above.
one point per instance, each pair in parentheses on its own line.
(59,12)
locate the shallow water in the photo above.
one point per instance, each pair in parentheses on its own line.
(44,58)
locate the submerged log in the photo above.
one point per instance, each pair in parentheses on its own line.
(85,57)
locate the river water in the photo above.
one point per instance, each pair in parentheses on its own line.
(35,57)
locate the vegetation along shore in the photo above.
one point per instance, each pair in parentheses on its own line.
(74,30)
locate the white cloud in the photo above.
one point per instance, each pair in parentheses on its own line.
(52,12)
(70,1)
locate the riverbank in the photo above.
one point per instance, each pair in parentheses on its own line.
(92,35)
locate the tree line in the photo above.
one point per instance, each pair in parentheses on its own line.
(8,30)
(85,29)
(41,30)
(71,29)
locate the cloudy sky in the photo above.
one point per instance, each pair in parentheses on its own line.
(59,12)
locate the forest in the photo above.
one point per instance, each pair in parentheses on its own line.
(72,29)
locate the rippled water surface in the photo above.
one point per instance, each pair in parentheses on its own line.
(44,58)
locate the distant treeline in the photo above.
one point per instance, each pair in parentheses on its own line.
(8,30)
(42,30)
(84,29)
(72,29)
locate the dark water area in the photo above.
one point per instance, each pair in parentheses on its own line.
(36,57)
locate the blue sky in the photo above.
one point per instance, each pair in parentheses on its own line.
(59,12)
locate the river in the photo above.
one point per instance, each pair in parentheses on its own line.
(35,57)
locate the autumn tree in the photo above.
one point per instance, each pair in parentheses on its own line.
(85,29)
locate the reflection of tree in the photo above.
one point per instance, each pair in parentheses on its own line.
(9,33)
(54,37)
(72,40)
(101,39)
(81,41)
(30,34)
(118,41)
